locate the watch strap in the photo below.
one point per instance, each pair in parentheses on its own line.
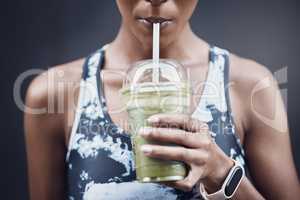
(220,194)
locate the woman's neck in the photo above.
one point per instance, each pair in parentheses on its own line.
(126,49)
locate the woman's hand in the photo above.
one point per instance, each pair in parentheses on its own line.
(207,162)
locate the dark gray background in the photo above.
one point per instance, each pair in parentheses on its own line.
(40,34)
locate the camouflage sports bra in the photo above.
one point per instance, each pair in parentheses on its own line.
(99,160)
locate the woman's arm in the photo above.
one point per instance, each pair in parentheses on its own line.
(267,140)
(45,141)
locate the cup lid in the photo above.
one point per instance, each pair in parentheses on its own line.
(170,71)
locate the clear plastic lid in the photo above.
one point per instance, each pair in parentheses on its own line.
(169,73)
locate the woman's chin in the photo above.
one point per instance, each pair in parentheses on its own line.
(145,36)
(146,42)
(147,28)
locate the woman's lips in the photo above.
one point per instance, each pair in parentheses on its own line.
(149,21)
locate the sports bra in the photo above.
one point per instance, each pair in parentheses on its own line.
(99,161)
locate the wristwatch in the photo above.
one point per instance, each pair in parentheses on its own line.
(229,186)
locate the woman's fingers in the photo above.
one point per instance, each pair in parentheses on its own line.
(177,136)
(189,156)
(193,138)
(180,121)
(188,182)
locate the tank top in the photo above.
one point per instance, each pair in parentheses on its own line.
(100,159)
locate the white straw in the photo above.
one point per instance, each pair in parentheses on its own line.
(156,35)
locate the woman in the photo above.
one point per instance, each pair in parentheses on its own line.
(88,155)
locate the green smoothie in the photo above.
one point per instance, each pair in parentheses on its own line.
(145,100)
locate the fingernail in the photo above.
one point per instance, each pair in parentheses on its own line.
(153,119)
(146,149)
(144,131)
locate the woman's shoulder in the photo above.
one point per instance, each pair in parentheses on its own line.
(253,86)
(51,95)
(53,82)
(245,73)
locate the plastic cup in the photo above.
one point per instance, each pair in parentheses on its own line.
(144,98)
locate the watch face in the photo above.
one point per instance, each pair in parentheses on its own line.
(234,181)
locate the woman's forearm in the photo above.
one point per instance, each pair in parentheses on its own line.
(247,191)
